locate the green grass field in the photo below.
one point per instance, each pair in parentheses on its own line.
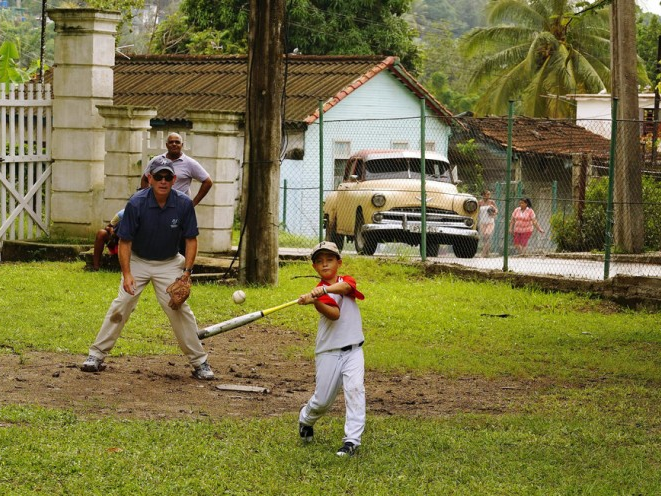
(596,430)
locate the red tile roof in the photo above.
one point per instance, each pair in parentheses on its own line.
(174,83)
(541,136)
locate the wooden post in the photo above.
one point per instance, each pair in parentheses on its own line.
(628,228)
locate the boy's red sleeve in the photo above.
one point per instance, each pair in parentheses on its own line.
(352,282)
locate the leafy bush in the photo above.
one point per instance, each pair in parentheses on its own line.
(652,213)
(571,235)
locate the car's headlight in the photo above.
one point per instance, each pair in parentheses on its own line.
(378,200)
(470,205)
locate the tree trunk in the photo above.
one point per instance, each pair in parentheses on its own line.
(628,189)
(261,169)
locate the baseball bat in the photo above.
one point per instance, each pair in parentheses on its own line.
(239,321)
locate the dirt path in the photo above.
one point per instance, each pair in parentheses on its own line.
(161,386)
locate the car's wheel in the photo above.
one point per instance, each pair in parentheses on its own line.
(365,244)
(432,249)
(334,237)
(465,248)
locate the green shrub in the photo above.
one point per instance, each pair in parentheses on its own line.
(571,235)
(652,213)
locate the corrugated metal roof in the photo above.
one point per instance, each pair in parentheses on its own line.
(175,83)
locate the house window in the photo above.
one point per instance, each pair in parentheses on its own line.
(400,145)
(430,146)
(341,153)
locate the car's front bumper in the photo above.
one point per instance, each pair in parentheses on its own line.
(394,224)
(442,235)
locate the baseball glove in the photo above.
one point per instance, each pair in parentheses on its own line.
(179,292)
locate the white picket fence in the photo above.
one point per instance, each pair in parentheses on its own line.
(25,160)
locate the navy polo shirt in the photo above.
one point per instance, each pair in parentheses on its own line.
(155,232)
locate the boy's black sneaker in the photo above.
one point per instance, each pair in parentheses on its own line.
(306,432)
(347,449)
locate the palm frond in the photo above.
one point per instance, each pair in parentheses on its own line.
(478,41)
(517,12)
(557,51)
(500,62)
(496,96)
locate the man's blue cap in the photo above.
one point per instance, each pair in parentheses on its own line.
(159,164)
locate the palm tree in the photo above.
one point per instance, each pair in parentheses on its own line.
(536,51)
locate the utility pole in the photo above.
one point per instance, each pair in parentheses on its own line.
(258,256)
(628,186)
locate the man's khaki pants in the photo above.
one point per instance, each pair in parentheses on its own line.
(161,273)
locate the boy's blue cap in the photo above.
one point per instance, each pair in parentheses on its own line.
(328,246)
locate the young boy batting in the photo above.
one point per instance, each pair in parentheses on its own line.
(339,355)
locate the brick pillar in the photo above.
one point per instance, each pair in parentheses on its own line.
(82,79)
(125,127)
(217,143)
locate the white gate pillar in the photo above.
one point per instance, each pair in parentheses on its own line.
(217,143)
(82,79)
(125,126)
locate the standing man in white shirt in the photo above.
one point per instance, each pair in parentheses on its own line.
(186,169)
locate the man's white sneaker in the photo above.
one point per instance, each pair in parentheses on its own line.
(92,364)
(203,372)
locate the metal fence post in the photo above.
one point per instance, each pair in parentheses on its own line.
(611,177)
(508,178)
(423,192)
(321,170)
(284,206)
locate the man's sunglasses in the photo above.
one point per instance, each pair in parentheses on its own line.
(160,177)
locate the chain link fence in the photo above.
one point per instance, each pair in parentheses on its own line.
(520,194)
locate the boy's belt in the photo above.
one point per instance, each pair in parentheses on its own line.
(351,346)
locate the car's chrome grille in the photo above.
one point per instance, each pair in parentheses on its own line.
(414,215)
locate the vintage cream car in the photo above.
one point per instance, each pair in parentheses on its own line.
(379,200)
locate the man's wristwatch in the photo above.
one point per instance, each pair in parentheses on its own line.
(190,271)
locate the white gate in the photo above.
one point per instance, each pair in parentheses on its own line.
(25,160)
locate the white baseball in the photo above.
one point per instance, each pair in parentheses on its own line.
(239,296)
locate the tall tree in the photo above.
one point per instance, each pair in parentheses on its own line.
(648,28)
(261,171)
(445,74)
(536,48)
(315,27)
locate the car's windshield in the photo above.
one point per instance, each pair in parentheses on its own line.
(407,168)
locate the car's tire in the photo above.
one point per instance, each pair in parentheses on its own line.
(365,245)
(465,248)
(334,237)
(432,249)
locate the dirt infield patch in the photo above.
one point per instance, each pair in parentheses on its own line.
(161,387)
